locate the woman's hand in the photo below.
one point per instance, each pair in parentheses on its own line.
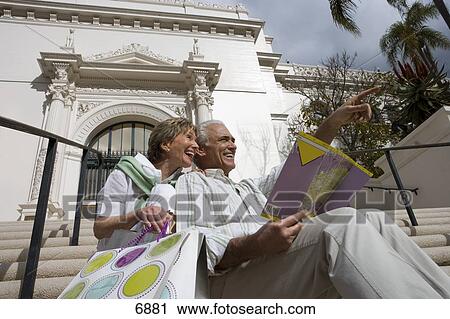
(153,216)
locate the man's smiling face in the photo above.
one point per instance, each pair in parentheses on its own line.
(219,151)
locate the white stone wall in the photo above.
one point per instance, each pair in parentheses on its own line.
(245,96)
(426,169)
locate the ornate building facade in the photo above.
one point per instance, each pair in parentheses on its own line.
(103,73)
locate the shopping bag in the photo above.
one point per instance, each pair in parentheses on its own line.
(188,278)
(140,271)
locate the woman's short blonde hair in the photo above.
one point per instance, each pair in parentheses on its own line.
(166,132)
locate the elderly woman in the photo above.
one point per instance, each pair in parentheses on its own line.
(122,202)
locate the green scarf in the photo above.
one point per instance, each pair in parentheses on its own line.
(133,169)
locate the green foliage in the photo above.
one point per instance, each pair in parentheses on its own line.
(422,89)
(342,13)
(404,38)
(335,83)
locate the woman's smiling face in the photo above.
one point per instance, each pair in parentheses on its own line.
(182,149)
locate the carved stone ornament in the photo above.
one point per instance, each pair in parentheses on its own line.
(132,48)
(195,49)
(200,79)
(61,71)
(39,169)
(70,39)
(38,174)
(197,98)
(162,91)
(56,91)
(63,92)
(308,71)
(86,107)
(70,95)
(179,110)
(193,3)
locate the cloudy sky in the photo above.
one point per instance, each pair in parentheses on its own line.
(304,32)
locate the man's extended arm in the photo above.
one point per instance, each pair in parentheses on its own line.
(353,110)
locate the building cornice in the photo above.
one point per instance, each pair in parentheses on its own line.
(118,74)
(293,76)
(196,4)
(268,59)
(73,15)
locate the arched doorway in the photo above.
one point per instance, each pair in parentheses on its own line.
(115,141)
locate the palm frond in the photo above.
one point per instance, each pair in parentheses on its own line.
(342,13)
(434,38)
(400,5)
(420,13)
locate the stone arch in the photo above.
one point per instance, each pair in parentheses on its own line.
(110,113)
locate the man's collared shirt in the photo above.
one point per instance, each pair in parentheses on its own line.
(220,208)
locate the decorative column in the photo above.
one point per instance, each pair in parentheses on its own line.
(202,77)
(57,116)
(200,99)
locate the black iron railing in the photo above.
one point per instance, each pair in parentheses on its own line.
(97,163)
(395,174)
(27,287)
(389,189)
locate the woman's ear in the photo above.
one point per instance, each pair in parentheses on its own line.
(165,147)
(200,152)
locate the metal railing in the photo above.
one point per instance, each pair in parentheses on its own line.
(29,279)
(27,287)
(389,189)
(394,171)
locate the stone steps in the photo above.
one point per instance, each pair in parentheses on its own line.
(47,227)
(46,234)
(421,215)
(437,240)
(426,230)
(49,253)
(46,242)
(45,288)
(60,262)
(47,222)
(423,221)
(440,255)
(46,269)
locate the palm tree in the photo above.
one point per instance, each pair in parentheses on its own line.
(405,38)
(342,12)
(440,5)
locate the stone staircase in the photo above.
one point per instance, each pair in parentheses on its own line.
(59,262)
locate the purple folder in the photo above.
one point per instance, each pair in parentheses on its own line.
(316,177)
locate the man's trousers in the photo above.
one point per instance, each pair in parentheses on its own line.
(343,253)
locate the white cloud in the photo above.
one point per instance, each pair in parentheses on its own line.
(304,32)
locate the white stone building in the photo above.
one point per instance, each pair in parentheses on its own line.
(104,72)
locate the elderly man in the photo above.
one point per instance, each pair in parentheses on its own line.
(333,255)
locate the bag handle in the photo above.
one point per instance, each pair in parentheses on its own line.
(145,231)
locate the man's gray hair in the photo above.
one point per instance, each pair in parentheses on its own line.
(202,134)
